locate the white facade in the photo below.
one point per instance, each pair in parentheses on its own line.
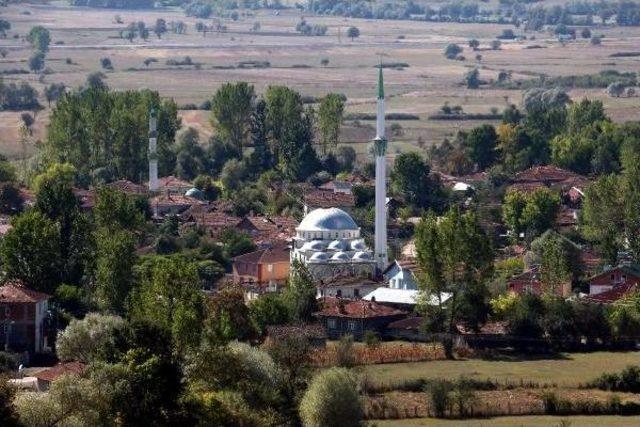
(153,156)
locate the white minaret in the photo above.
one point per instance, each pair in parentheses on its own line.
(380,150)
(153,156)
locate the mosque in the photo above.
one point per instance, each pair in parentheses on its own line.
(329,242)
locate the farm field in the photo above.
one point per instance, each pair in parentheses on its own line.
(523,421)
(566,371)
(81,37)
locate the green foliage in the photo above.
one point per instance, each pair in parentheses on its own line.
(410,179)
(345,357)
(91,339)
(190,156)
(94,128)
(30,251)
(558,259)
(8,416)
(530,213)
(115,260)
(353,33)
(269,309)
(627,381)
(116,210)
(452,50)
(231,109)
(300,295)
(456,257)
(39,38)
(482,144)
(330,116)
(169,294)
(332,400)
(36,61)
(228,317)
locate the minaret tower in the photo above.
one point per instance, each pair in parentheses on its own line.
(380,150)
(153,155)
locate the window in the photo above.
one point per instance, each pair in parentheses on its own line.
(613,276)
(270,268)
(331,323)
(352,325)
(356,293)
(339,293)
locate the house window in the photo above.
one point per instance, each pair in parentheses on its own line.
(270,268)
(331,323)
(339,293)
(613,276)
(356,293)
(352,325)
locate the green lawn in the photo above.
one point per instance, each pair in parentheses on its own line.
(527,421)
(567,370)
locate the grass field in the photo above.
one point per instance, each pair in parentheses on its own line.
(524,421)
(83,36)
(569,370)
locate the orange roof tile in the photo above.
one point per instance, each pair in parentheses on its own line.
(15,292)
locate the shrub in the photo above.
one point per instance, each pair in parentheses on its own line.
(439,397)
(371,339)
(345,356)
(626,381)
(332,399)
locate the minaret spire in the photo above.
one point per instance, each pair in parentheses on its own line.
(380,150)
(153,156)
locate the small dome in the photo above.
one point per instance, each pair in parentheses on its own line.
(319,257)
(337,245)
(330,219)
(361,256)
(315,245)
(357,245)
(195,193)
(340,256)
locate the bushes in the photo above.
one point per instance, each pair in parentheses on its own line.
(627,381)
(451,399)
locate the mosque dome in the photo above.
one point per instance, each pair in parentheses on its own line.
(357,245)
(314,245)
(330,219)
(361,256)
(340,256)
(319,257)
(337,245)
(195,193)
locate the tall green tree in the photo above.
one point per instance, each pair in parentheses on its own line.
(482,142)
(231,109)
(39,38)
(410,178)
(329,120)
(115,260)
(300,295)
(169,293)
(530,213)
(457,259)
(30,251)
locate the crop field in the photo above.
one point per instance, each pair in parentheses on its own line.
(81,37)
(567,370)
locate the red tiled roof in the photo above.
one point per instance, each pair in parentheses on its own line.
(55,372)
(617,293)
(359,309)
(327,199)
(269,255)
(548,173)
(14,292)
(167,182)
(174,200)
(410,323)
(347,280)
(128,187)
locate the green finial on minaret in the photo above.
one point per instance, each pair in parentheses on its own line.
(380,83)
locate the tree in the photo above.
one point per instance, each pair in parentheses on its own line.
(353,33)
(169,293)
(586,33)
(190,160)
(30,251)
(482,144)
(300,295)
(474,44)
(115,259)
(36,61)
(532,213)
(95,81)
(558,261)
(54,91)
(228,318)
(329,120)
(114,210)
(630,158)
(332,400)
(231,109)
(456,257)
(91,339)
(324,62)
(472,79)
(8,416)
(452,51)
(106,64)
(4,26)
(160,28)
(232,175)
(410,178)
(39,38)
(495,44)
(346,157)
(616,89)
(596,40)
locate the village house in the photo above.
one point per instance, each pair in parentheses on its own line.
(337,187)
(265,269)
(549,176)
(530,282)
(47,376)
(128,187)
(620,276)
(267,230)
(24,315)
(213,217)
(346,286)
(328,199)
(172,204)
(341,317)
(172,184)
(313,333)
